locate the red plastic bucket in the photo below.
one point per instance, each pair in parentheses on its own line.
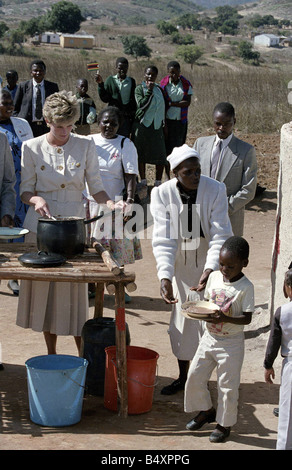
(141,375)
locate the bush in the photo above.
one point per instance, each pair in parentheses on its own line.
(247,54)
(136,46)
(190,54)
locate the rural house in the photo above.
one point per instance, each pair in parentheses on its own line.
(50,38)
(77,41)
(268,40)
(287,42)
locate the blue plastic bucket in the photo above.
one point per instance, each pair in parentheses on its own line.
(56,389)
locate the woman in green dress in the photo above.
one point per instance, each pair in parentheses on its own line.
(148,130)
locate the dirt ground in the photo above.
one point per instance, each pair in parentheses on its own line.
(163,428)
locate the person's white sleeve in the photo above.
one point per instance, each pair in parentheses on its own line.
(164,244)
(92,173)
(130,158)
(28,170)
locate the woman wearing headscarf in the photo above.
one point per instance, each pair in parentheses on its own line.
(191,223)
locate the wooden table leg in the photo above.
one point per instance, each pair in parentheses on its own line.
(99,297)
(121,350)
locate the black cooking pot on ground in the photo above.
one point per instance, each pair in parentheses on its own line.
(63,235)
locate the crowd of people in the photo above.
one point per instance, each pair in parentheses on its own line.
(51,164)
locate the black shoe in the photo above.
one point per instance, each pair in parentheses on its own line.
(1,366)
(276,412)
(219,434)
(173,388)
(14,286)
(202,418)
(259,190)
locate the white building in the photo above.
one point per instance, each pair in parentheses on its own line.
(50,38)
(268,40)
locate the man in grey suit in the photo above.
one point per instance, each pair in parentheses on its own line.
(231,161)
(30,97)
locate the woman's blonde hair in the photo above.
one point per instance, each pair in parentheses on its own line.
(61,107)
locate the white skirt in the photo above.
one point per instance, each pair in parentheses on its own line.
(60,308)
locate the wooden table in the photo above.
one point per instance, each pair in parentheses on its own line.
(90,268)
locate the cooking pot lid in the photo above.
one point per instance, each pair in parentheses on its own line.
(41,259)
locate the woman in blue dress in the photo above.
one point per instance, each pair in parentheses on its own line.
(17,131)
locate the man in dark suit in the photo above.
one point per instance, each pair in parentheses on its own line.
(30,97)
(230,160)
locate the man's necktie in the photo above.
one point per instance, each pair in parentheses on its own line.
(38,104)
(215,158)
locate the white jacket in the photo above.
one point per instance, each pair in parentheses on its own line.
(215,223)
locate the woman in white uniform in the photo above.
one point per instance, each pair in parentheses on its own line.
(118,163)
(55,168)
(191,223)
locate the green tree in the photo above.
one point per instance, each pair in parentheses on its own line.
(226,20)
(33,26)
(189,53)
(165,27)
(65,17)
(136,46)
(229,27)
(247,54)
(189,20)
(16,37)
(177,38)
(3,28)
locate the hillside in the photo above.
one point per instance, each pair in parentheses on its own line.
(117,11)
(143,11)
(277,8)
(209,4)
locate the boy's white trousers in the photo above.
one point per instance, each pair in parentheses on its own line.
(226,354)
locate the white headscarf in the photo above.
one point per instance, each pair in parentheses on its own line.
(180,154)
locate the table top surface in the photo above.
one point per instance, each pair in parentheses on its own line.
(88,267)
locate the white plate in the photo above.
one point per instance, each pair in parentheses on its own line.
(7,233)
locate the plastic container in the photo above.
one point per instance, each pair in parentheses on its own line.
(141,377)
(55,389)
(97,334)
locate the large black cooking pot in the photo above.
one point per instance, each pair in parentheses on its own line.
(64,235)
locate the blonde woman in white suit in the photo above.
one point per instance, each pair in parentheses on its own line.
(55,168)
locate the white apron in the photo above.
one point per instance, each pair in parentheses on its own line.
(185,334)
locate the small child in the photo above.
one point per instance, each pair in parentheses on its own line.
(12,79)
(222,344)
(281,337)
(87,108)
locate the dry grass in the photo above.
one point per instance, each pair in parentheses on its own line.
(259,94)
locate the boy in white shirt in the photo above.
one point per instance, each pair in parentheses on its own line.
(222,345)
